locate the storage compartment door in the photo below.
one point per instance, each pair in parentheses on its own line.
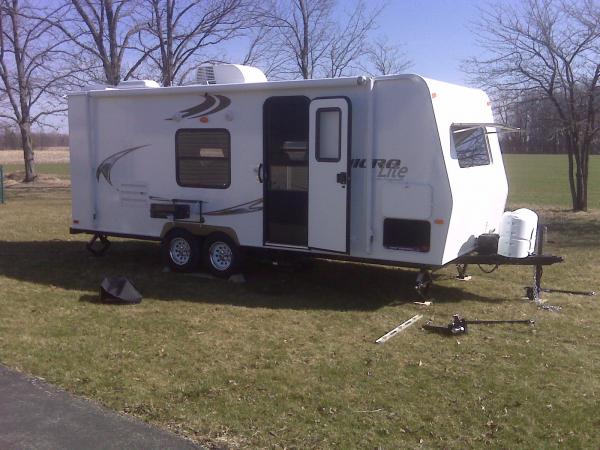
(329,180)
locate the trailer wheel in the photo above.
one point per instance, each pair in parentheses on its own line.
(180,250)
(221,256)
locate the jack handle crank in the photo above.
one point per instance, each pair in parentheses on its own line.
(527,321)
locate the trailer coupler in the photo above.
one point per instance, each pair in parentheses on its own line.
(102,248)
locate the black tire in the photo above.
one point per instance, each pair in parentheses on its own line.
(181,251)
(221,256)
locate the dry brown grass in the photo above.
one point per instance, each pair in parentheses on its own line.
(51,155)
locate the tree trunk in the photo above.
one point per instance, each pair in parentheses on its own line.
(572,187)
(585,159)
(28,156)
(304,52)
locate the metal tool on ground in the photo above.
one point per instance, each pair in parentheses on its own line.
(530,293)
(399,328)
(459,325)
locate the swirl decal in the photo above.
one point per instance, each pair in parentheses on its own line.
(106,166)
(212,104)
(248,207)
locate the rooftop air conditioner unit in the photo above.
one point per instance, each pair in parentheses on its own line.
(229,74)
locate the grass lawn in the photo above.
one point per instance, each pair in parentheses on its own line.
(288,359)
(543,181)
(60,170)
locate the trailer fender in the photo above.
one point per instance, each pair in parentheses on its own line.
(199,229)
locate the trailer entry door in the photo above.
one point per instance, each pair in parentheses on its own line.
(329,182)
(286,171)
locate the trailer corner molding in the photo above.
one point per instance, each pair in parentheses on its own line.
(105,167)
(211,105)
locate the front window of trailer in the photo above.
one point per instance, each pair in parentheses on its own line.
(471,145)
(203,158)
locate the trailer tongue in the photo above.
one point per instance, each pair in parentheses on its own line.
(538,260)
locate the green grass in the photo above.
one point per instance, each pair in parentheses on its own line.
(61,170)
(543,181)
(288,359)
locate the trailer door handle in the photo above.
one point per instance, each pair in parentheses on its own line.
(260,173)
(342,178)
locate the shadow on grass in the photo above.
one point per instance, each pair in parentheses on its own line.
(327,285)
(90,298)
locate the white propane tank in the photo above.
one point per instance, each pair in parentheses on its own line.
(518,230)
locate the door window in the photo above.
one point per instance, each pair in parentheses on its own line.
(328,132)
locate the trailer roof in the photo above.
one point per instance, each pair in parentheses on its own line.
(357,81)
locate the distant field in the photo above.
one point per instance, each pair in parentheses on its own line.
(52,161)
(542,180)
(47,155)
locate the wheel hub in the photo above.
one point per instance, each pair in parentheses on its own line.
(221,256)
(180,251)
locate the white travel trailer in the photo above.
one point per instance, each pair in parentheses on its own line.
(397,170)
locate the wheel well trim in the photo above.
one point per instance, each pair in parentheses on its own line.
(199,230)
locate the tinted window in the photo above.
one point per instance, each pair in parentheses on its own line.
(471,146)
(203,158)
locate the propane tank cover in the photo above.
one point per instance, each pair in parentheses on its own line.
(518,230)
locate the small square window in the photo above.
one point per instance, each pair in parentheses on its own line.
(203,158)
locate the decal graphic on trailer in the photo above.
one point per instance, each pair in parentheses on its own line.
(211,105)
(106,166)
(244,208)
(386,168)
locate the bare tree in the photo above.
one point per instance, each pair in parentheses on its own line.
(263,50)
(102,29)
(383,58)
(350,40)
(176,31)
(33,73)
(551,48)
(308,39)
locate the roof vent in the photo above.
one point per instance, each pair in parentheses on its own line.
(137,84)
(228,74)
(129,84)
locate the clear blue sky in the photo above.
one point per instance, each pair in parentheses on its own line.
(435,34)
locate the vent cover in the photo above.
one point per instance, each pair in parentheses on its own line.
(206,75)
